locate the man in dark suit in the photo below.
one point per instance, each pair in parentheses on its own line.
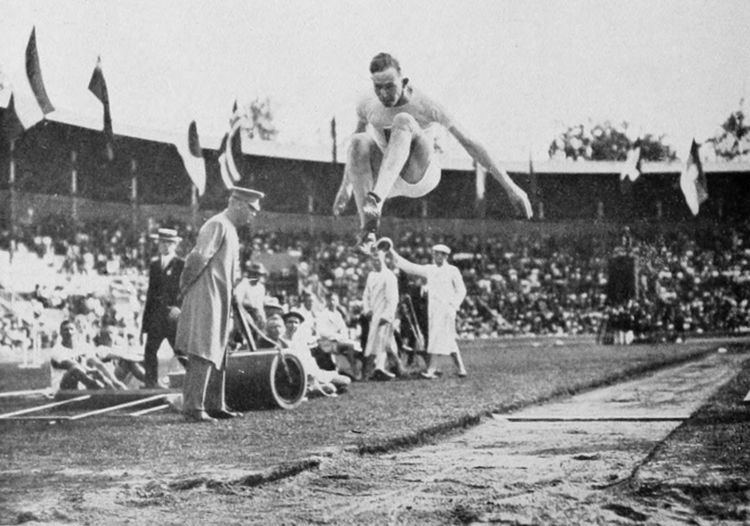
(161,311)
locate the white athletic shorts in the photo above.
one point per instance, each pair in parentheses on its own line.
(422,187)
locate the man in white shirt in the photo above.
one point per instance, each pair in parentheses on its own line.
(333,336)
(445,293)
(380,302)
(80,362)
(251,292)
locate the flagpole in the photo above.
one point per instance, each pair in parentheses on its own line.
(11,186)
(134,193)
(74,184)
(480,183)
(194,205)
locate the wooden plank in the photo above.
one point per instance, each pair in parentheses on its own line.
(45,406)
(120,406)
(37,418)
(45,391)
(594,418)
(149,410)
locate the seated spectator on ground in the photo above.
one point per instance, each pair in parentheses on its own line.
(319,381)
(80,363)
(334,340)
(121,353)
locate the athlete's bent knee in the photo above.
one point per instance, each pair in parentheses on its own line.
(404,121)
(360,146)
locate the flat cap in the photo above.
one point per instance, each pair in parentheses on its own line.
(251,197)
(166,234)
(441,248)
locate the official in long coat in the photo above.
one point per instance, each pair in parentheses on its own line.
(207,284)
(445,293)
(162,301)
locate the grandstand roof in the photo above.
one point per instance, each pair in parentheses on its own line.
(323,154)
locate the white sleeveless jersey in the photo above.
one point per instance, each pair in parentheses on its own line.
(428,114)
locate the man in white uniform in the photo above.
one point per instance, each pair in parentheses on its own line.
(445,292)
(392,152)
(380,302)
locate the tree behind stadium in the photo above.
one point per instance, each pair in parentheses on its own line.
(605,142)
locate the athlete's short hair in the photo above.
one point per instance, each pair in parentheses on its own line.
(383,61)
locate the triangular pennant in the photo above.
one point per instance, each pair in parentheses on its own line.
(98,86)
(34,74)
(12,126)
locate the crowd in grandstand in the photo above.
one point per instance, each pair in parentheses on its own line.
(690,281)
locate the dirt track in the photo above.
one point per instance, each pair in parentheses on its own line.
(570,462)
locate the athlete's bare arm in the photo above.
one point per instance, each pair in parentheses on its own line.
(479,153)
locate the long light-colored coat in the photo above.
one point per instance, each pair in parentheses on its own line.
(207,283)
(380,297)
(445,292)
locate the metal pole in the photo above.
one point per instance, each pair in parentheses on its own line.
(74,183)
(194,205)
(12,187)
(134,192)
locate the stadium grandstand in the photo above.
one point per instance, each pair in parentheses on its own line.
(66,199)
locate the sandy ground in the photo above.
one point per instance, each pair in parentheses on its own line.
(576,461)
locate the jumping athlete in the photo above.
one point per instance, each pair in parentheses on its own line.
(392,152)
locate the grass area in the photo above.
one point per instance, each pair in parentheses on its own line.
(373,416)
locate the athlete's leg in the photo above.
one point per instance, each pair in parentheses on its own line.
(363,160)
(407,155)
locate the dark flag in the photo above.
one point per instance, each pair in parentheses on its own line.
(236,134)
(13,128)
(231,145)
(98,86)
(693,181)
(34,73)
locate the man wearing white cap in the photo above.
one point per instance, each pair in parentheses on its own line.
(445,292)
(212,271)
(252,292)
(380,302)
(161,309)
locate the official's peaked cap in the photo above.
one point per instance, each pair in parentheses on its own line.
(251,197)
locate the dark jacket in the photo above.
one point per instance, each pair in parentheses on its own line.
(162,295)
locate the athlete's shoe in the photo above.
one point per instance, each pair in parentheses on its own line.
(371,212)
(366,243)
